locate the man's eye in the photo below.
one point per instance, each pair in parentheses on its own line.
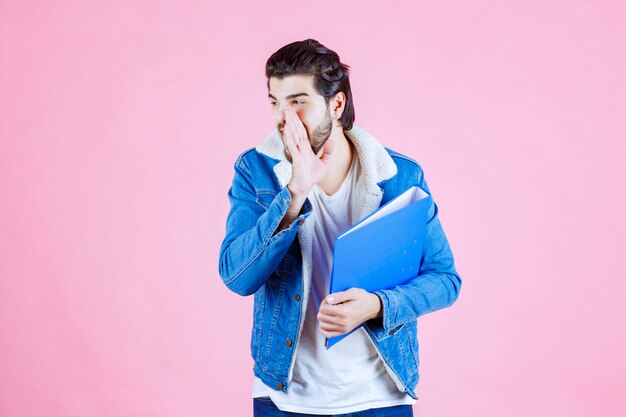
(298,102)
(272,103)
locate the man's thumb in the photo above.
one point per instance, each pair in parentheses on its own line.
(338,297)
(327,151)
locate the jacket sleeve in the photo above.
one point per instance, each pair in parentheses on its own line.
(436,286)
(251,251)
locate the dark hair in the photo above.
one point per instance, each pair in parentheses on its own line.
(309,57)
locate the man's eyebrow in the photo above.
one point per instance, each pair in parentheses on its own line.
(290,96)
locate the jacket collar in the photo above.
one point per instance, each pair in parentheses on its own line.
(376,166)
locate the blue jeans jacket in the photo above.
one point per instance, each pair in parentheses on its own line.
(276,269)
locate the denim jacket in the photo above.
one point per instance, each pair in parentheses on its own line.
(276,268)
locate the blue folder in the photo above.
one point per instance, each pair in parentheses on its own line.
(384,249)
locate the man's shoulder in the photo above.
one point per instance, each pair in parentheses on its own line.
(403,161)
(270,150)
(255,163)
(251,156)
(409,171)
(244,156)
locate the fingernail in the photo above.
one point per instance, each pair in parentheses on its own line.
(330,299)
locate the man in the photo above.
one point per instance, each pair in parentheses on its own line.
(313,177)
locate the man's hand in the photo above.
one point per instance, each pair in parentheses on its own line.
(307,168)
(343,311)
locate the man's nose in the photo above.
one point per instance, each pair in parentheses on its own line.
(280,117)
(280,114)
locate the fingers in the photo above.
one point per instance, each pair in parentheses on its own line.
(342,296)
(332,328)
(327,151)
(289,138)
(330,312)
(295,128)
(335,319)
(291,117)
(328,320)
(332,334)
(331,324)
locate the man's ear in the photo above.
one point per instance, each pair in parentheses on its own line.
(337,105)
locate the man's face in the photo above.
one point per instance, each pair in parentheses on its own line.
(297,91)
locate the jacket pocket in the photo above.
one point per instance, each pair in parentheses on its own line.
(413,344)
(406,349)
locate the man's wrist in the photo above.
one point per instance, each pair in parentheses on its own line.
(297,201)
(377,309)
(295,195)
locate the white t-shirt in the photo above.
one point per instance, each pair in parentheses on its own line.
(350,376)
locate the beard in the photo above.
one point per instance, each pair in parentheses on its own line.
(318,137)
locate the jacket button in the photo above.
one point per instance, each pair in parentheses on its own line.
(280,385)
(289,342)
(297,297)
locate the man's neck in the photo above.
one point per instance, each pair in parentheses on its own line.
(340,165)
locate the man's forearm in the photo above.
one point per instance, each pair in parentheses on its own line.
(249,252)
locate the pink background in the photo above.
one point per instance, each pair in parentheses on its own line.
(120,123)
